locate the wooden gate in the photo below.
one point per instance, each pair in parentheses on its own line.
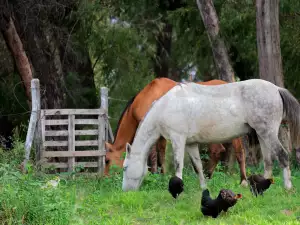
(68,138)
(74,136)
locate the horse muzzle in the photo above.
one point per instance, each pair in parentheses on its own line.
(130,185)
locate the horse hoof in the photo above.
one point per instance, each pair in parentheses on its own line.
(244,183)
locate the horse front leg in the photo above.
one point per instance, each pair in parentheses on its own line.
(176,185)
(161,148)
(152,159)
(193,151)
(178,145)
(240,157)
(214,157)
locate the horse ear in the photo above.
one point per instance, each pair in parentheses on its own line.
(128,148)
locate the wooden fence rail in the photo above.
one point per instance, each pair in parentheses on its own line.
(75,134)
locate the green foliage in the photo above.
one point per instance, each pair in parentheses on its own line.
(14,109)
(14,156)
(190,45)
(24,202)
(86,200)
(102,201)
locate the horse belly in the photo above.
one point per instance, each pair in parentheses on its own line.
(218,126)
(219,134)
(203,120)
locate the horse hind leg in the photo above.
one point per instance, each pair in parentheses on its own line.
(266,151)
(271,146)
(283,158)
(193,152)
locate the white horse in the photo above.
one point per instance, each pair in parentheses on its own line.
(190,113)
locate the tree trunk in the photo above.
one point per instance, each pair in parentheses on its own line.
(163,50)
(298,156)
(220,53)
(175,74)
(268,41)
(269,54)
(16,47)
(162,60)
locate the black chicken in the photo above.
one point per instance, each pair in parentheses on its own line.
(258,184)
(213,207)
(175,186)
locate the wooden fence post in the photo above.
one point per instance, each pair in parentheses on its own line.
(35,114)
(103,128)
(104,98)
(38,139)
(71,141)
(104,105)
(101,147)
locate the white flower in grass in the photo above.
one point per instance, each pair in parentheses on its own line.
(52,183)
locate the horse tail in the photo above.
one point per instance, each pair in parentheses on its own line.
(291,112)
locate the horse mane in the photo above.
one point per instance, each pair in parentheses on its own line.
(129,103)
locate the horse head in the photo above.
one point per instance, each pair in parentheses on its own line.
(113,157)
(134,169)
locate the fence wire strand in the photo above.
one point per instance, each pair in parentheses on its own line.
(117,99)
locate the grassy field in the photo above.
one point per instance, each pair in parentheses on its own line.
(101,201)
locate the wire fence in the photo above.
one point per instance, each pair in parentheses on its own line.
(117,99)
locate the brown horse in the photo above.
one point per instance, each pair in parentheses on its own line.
(133,114)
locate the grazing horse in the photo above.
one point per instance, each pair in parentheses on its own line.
(134,112)
(231,110)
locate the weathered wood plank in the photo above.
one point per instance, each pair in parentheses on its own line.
(86,143)
(38,133)
(43,119)
(56,122)
(49,112)
(101,128)
(87,121)
(104,98)
(91,153)
(31,132)
(55,143)
(71,142)
(43,127)
(56,133)
(86,132)
(41,130)
(110,132)
(66,165)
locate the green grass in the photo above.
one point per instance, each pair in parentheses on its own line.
(101,201)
